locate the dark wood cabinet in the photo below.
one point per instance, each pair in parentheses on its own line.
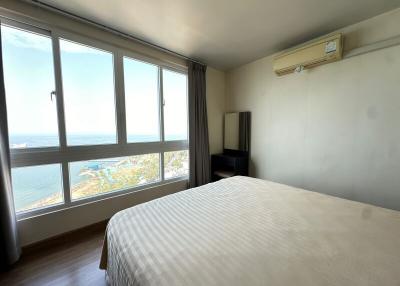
(228,165)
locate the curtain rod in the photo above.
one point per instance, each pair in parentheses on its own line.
(109,29)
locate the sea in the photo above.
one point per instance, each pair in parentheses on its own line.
(32,184)
(33,141)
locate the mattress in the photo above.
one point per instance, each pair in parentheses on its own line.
(246,231)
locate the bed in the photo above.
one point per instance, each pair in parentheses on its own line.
(246,231)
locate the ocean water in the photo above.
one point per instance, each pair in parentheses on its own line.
(33,141)
(31,184)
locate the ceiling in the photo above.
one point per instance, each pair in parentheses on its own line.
(226,33)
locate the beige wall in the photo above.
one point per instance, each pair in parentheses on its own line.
(333,129)
(215,108)
(45,226)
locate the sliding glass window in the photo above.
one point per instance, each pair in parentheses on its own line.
(29,78)
(175,105)
(88,120)
(141,101)
(88,88)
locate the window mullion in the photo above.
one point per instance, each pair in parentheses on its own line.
(120,97)
(161,103)
(59,92)
(61,115)
(161,118)
(66,185)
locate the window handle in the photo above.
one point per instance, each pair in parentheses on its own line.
(51,95)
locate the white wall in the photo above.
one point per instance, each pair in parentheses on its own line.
(333,129)
(42,227)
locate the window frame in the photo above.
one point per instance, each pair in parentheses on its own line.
(64,154)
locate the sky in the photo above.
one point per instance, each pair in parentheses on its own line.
(88,87)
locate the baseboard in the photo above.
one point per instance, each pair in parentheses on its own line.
(65,238)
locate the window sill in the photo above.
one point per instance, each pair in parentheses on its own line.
(93,199)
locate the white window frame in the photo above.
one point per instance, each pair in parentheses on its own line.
(64,154)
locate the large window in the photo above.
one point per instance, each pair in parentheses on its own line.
(87,119)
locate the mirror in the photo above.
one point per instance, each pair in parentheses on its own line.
(237,131)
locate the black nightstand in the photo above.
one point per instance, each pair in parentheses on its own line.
(228,165)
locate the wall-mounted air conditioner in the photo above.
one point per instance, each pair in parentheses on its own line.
(322,51)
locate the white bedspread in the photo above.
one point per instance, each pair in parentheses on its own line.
(246,231)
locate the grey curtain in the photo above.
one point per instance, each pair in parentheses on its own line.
(244,131)
(9,245)
(199,152)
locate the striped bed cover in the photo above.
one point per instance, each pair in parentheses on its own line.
(246,231)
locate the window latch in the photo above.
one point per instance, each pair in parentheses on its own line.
(51,94)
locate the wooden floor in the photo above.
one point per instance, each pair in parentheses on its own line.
(73,260)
